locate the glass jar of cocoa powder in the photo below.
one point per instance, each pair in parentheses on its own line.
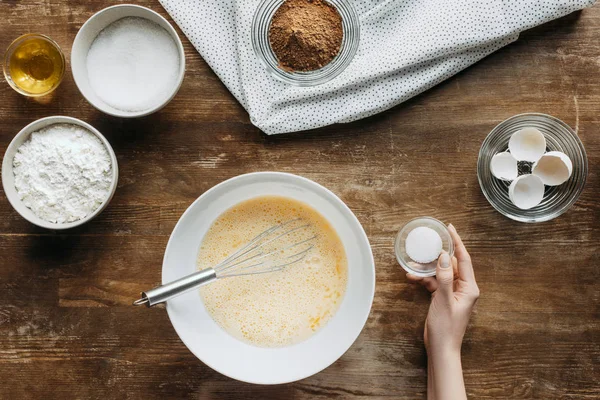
(289,59)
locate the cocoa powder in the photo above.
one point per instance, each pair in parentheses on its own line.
(305,35)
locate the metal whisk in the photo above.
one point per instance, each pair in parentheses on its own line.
(265,253)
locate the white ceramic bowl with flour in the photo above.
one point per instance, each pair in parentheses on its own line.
(268,365)
(128,61)
(46,130)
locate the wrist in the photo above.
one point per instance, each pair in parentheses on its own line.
(445,377)
(444,355)
(446,350)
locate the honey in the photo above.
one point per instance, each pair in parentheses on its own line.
(34,65)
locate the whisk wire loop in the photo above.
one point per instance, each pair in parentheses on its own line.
(250,246)
(267,252)
(258,249)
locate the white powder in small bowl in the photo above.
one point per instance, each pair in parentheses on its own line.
(423,245)
(133,64)
(63,173)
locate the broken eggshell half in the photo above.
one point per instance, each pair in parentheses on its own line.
(527,191)
(528,144)
(504,166)
(554,168)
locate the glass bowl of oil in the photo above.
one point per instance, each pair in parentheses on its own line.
(34,65)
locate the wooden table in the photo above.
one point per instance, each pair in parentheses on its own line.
(67,327)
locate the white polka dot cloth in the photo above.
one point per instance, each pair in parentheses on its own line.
(406,47)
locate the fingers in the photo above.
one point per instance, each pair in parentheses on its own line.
(460,251)
(465,266)
(445,277)
(430,283)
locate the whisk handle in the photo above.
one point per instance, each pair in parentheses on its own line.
(165,292)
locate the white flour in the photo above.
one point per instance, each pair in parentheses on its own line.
(62,173)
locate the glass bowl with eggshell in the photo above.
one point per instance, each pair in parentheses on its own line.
(555,199)
(420,245)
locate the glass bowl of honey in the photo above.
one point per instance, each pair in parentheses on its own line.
(34,65)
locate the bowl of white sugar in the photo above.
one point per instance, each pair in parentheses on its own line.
(59,172)
(128,61)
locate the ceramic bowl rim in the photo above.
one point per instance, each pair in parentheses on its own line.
(178,325)
(77,73)
(7,168)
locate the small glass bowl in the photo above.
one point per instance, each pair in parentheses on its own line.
(557,199)
(9,52)
(262,47)
(405,261)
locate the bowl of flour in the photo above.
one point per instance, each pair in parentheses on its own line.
(59,172)
(127,61)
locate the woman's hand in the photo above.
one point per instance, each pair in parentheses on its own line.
(453,295)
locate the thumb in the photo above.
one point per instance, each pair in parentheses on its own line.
(445,276)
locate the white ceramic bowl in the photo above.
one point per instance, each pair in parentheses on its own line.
(86,35)
(236,359)
(8,177)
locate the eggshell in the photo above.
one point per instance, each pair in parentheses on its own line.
(554,168)
(504,166)
(528,144)
(526,192)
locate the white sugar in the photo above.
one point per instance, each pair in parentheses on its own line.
(133,64)
(62,173)
(423,245)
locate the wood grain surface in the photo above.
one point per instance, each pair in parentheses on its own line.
(68,331)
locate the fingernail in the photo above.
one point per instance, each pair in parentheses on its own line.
(445,260)
(450,226)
